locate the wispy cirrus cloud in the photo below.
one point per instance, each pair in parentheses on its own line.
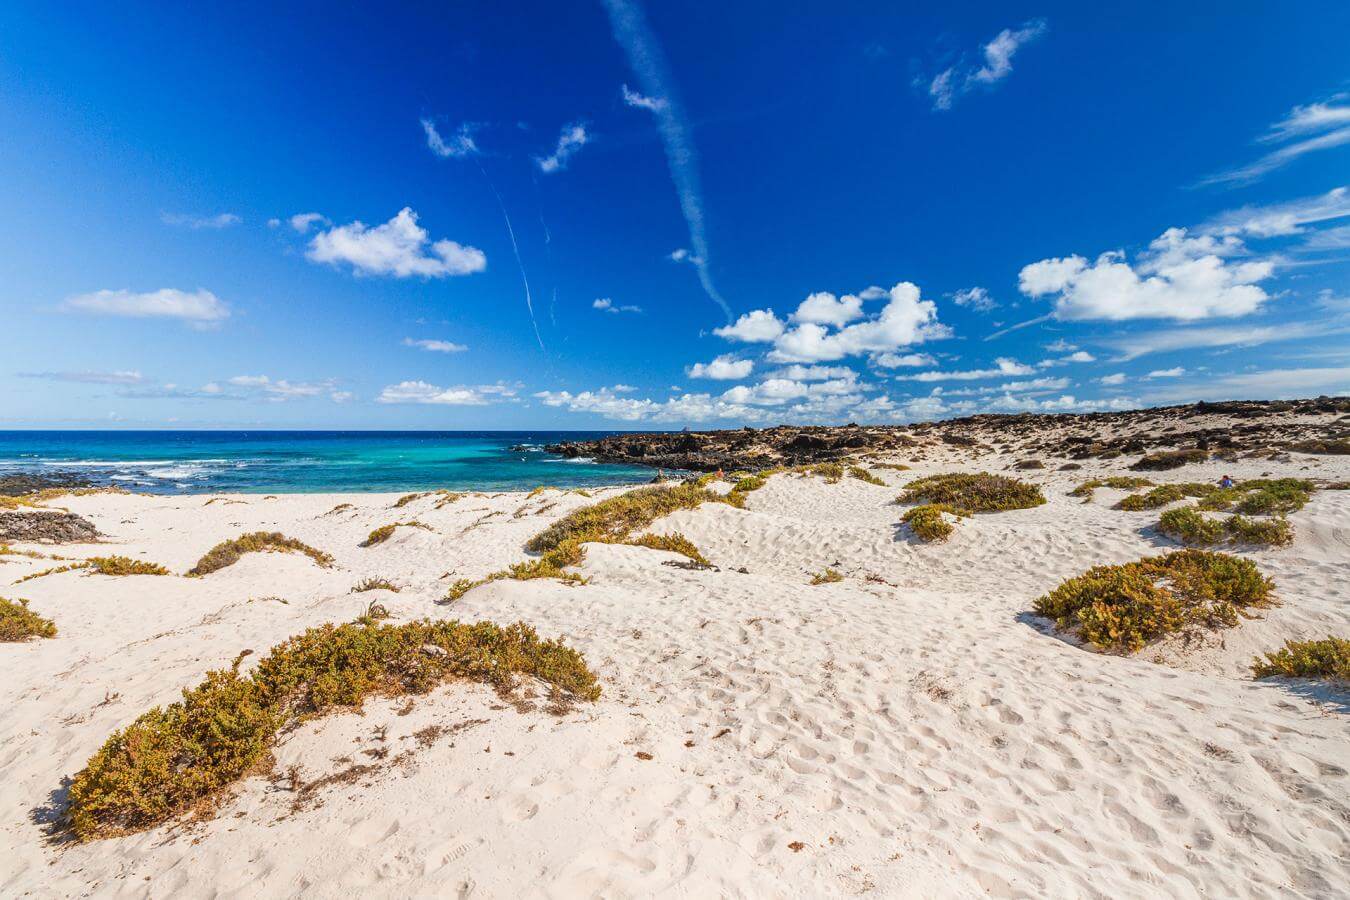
(1133,346)
(605,304)
(197,223)
(435,346)
(572,138)
(1306,129)
(200,308)
(993,65)
(459,145)
(86,377)
(660,97)
(399,247)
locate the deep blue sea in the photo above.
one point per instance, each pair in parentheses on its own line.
(309,461)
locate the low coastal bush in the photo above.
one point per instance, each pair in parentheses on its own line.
(829,576)
(1119,482)
(1169,459)
(926,521)
(19,623)
(977,492)
(227,553)
(832,472)
(121,565)
(1331,446)
(862,474)
(615,518)
(1186,525)
(1261,496)
(380,535)
(183,755)
(1029,464)
(673,543)
(374,584)
(1164,494)
(1328,659)
(1125,607)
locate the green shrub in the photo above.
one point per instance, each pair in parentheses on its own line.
(1169,459)
(1329,659)
(1275,532)
(19,623)
(1164,494)
(897,467)
(121,565)
(862,474)
(380,535)
(754,482)
(227,553)
(1186,525)
(832,472)
(829,576)
(175,757)
(673,543)
(1262,497)
(926,521)
(56,570)
(978,492)
(1125,607)
(616,518)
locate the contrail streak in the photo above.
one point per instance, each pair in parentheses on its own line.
(649,65)
(529,304)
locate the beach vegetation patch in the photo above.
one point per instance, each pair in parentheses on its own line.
(614,519)
(1186,525)
(1326,447)
(19,623)
(184,755)
(227,553)
(122,565)
(1327,659)
(862,474)
(974,492)
(1169,459)
(927,524)
(374,584)
(1118,482)
(1261,496)
(829,576)
(1164,494)
(672,543)
(1124,607)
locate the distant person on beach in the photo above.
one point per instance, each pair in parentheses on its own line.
(1226,482)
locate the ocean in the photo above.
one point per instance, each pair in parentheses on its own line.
(275,462)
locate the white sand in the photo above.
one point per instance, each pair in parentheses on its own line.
(916,731)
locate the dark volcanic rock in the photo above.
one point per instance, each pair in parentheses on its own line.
(51,527)
(17,485)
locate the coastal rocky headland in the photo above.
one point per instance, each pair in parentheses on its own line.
(1230,427)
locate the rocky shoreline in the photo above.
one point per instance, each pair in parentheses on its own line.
(1320,424)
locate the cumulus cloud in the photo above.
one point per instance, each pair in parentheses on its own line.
(457,146)
(571,140)
(976,298)
(197,223)
(723,368)
(904,320)
(813,373)
(1179,277)
(604,304)
(901,360)
(777,391)
(200,307)
(1078,356)
(421,392)
(1113,379)
(1318,126)
(399,247)
(1175,372)
(435,346)
(994,65)
(120,377)
(301,222)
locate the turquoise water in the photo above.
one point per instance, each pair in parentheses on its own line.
(308,461)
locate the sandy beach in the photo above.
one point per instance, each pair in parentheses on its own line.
(911,730)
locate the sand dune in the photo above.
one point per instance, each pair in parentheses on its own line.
(909,731)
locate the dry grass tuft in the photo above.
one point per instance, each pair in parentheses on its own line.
(177,757)
(374,584)
(862,474)
(829,576)
(227,553)
(121,565)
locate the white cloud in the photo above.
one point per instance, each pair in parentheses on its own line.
(1273,384)
(196,223)
(1035,384)
(825,308)
(1329,239)
(904,320)
(572,139)
(120,377)
(461,395)
(1113,379)
(995,65)
(280,390)
(723,368)
(1078,356)
(756,327)
(976,298)
(1175,372)
(777,391)
(1280,219)
(605,304)
(1065,403)
(1179,277)
(900,360)
(648,61)
(813,373)
(301,222)
(1331,120)
(1003,366)
(1136,345)
(1060,346)
(399,247)
(435,346)
(200,307)
(460,144)
(642,101)
(679,254)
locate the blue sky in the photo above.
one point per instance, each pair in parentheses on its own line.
(328,216)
